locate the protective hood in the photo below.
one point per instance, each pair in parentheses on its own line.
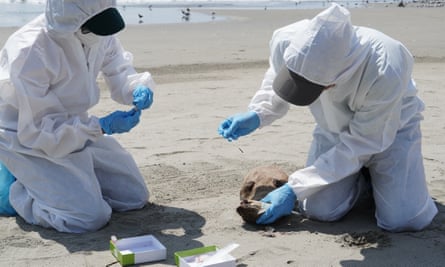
(327,51)
(66,16)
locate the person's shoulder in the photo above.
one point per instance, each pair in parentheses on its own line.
(27,35)
(385,49)
(31,44)
(376,37)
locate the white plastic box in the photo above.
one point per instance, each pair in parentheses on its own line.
(134,250)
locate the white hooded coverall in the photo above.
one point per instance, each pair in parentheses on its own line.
(69,175)
(371,118)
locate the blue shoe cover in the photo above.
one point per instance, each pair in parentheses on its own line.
(6,179)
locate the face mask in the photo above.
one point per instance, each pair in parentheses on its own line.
(88,39)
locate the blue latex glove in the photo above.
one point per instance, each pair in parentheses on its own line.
(6,179)
(142,97)
(282,201)
(239,125)
(120,121)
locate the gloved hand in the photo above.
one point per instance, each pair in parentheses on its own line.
(6,179)
(142,97)
(120,121)
(238,125)
(282,201)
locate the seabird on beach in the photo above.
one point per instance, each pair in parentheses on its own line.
(185,14)
(140,18)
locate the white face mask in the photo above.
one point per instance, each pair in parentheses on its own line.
(88,39)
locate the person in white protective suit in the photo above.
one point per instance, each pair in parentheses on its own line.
(61,168)
(357,83)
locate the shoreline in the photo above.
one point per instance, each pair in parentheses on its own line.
(423,38)
(177,42)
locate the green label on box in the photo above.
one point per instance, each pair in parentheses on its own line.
(127,259)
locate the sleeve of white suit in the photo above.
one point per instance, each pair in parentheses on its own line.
(120,75)
(268,105)
(43,122)
(372,130)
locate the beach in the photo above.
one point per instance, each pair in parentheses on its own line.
(204,73)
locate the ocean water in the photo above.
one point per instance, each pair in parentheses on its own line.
(16,13)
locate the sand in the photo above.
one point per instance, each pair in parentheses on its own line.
(206,72)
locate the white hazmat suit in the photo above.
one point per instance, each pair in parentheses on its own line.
(69,175)
(371,117)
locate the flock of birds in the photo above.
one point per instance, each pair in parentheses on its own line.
(185,14)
